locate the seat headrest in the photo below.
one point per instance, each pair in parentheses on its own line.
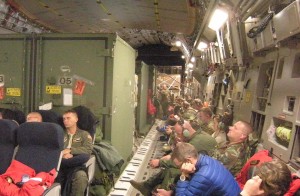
(49,116)
(45,134)
(8,141)
(8,131)
(86,119)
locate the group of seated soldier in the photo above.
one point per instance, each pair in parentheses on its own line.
(77,150)
(205,155)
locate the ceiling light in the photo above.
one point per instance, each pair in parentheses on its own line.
(218,18)
(173,49)
(178,43)
(201,46)
(182,56)
(190,65)
(193,59)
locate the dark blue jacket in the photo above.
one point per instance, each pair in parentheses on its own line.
(211,178)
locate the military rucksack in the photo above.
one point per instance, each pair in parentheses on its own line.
(102,183)
(108,165)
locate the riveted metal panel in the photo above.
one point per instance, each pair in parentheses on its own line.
(143,80)
(123,95)
(68,70)
(94,70)
(14,72)
(74,64)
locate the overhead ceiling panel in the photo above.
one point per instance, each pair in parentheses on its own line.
(5,31)
(139,22)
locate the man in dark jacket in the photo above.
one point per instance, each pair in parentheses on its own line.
(201,174)
(166,178)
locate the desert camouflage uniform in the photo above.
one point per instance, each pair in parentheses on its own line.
(165,98)
(233,156)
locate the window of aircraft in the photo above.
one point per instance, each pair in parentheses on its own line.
(289,104)
(296,67)
(280,68)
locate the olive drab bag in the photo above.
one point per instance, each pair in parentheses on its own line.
(108,166)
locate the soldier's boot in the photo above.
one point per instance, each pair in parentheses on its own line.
(143,187)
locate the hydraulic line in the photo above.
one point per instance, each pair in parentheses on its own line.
(258,29)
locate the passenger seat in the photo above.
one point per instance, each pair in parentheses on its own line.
(8,143)
(40,147)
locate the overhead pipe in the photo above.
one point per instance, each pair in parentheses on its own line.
(253,8)
(267,5)
(204,24)
(220,45)
(247,6)
(236,40)
(241,4)
(213,52)
(229,2)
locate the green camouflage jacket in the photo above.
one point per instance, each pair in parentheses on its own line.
(203,142)
(207,127)
(233,156)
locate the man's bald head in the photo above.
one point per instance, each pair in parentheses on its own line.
(34,117)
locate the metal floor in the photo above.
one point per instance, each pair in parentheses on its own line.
(138,168)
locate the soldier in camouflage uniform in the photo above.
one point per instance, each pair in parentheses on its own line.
(166,179)
(165,99)
(197,104)
(206,121)
(190,114)
(233,154)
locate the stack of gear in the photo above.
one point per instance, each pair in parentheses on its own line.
(283,134)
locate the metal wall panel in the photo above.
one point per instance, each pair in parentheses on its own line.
(14,72)
(72,71)
(68,70)
(94,70)
(123,92)
(143,95)
(287,22)
(277,108)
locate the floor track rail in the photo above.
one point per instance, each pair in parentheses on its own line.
(138,168)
